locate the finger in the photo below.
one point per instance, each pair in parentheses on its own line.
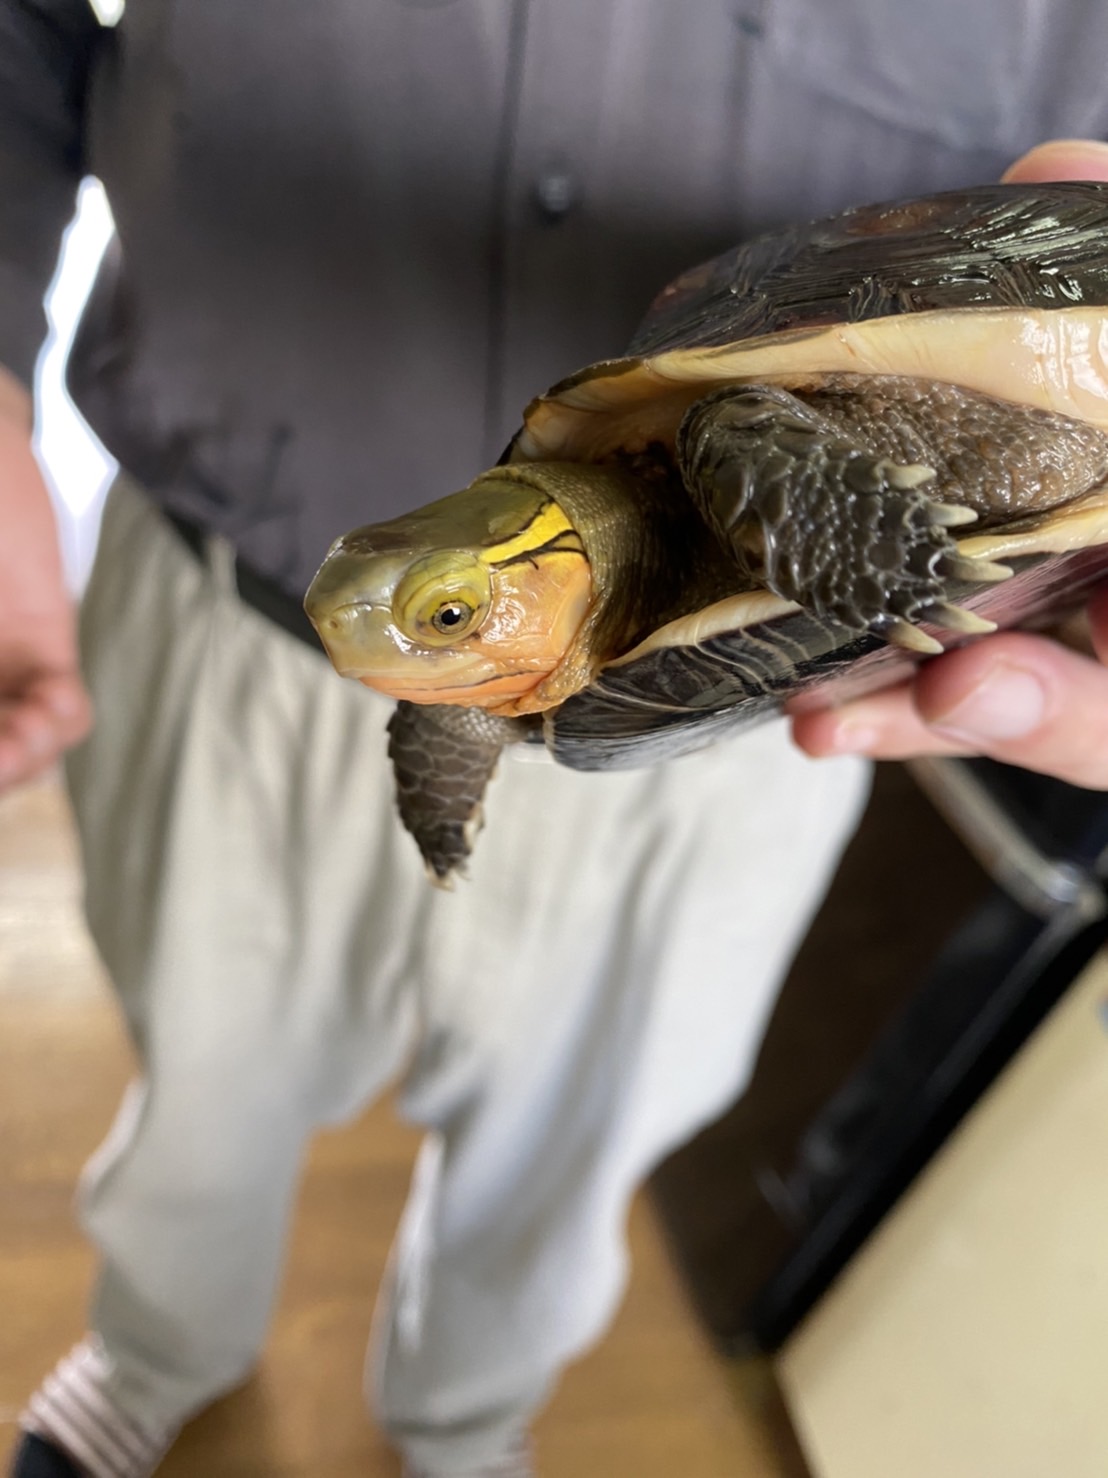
(885,726)
(27,746)
(22,767)
(1024,700)
(49,718)
(1017,698)
(1061,159)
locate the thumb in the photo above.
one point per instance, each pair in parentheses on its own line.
(1061,159)
(1025,701)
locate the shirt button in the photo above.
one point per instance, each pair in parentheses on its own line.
(555,195)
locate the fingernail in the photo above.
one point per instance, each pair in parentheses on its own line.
(1072,146)
(1008,704)
(851,738)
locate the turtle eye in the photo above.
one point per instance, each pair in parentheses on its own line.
(452,617)
(442,598)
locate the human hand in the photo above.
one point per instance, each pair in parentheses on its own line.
(44,708)
(1015,697)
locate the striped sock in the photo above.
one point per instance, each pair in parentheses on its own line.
(72,1410)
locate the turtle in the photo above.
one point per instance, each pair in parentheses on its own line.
(828,453)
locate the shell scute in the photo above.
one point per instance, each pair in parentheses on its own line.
(1002,245)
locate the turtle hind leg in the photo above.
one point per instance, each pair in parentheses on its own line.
(443,758)
(848,532)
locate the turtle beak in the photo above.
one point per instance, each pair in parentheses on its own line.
(350,605)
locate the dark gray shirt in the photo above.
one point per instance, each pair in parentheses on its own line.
(355,236)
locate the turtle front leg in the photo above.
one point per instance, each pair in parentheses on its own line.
(847,532)
(443,758)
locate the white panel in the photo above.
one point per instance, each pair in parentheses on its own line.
(969,1339)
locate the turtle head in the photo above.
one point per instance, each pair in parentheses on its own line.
(475,599)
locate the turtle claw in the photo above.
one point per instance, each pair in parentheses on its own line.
(903,634)
(974,571)
(957,618)
(951,515)
(905,477)
(940,613)
(445,882)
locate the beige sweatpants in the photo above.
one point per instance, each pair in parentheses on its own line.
(591,996)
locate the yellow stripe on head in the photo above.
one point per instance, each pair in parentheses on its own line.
(547,531)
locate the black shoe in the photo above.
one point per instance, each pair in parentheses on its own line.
(37,1458)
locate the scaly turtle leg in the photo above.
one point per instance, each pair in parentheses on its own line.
(443,757)
(843,499)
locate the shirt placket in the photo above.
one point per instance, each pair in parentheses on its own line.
(540,313)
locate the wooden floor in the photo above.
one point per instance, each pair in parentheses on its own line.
(653,1401)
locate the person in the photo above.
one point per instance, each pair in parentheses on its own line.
(352,242)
